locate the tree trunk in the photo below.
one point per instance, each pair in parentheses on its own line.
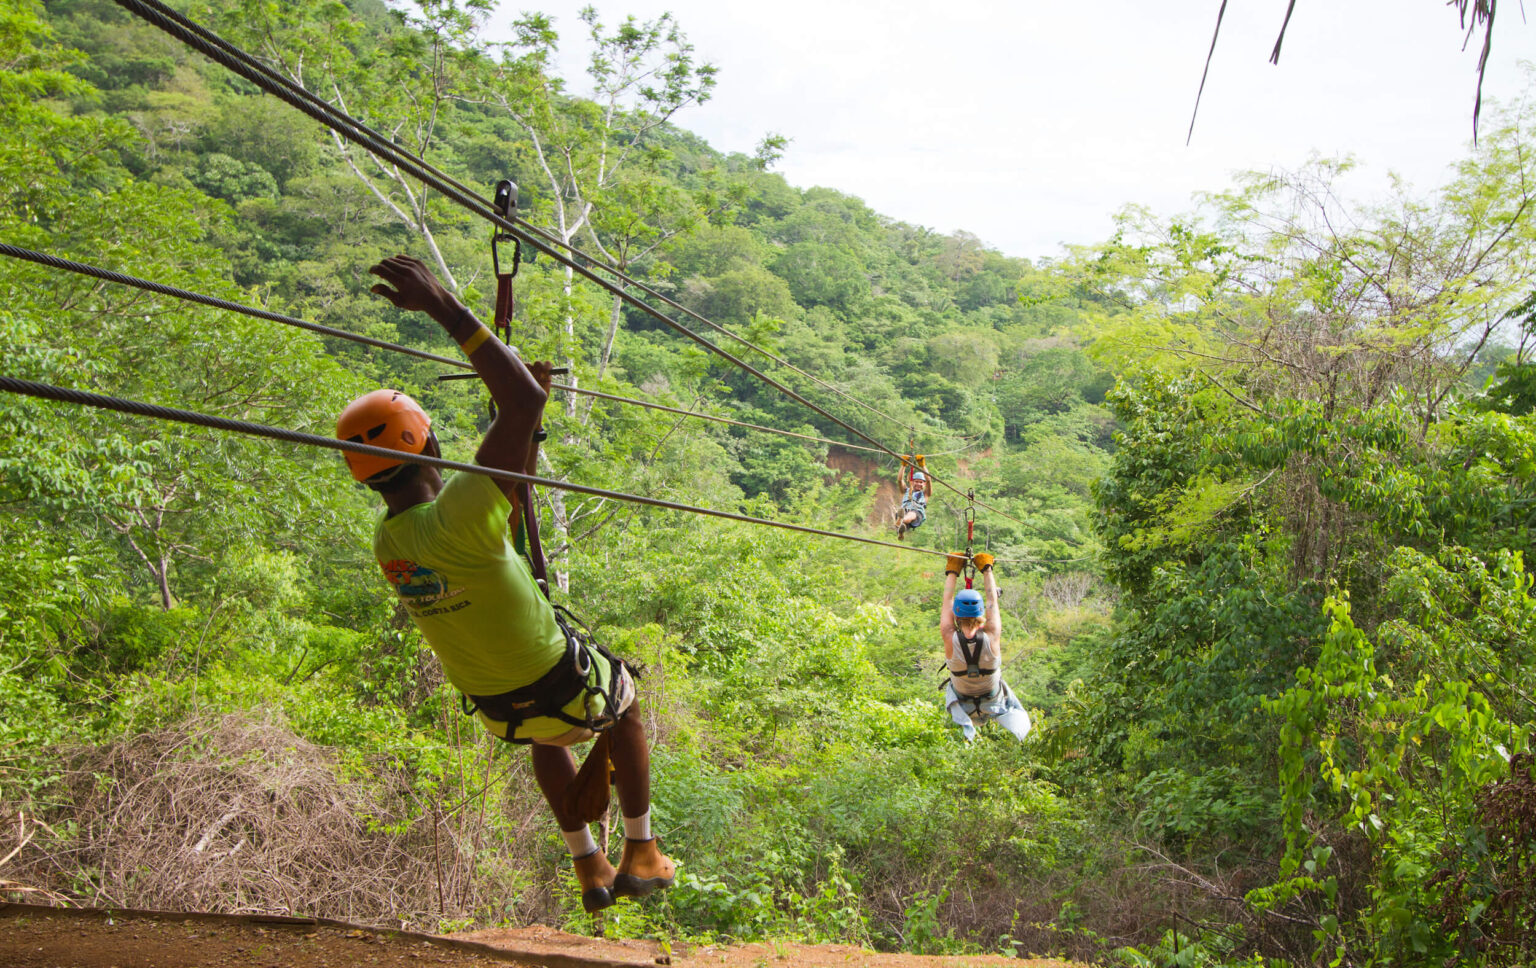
(614,315)
(570,339)
(560,518)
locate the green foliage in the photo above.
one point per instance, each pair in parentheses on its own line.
(822,275)
(234,181)
(804,772)
(1175,949)
(1400,760)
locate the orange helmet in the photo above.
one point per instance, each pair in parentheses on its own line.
(383,418)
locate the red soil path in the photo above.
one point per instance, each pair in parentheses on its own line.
(38,937)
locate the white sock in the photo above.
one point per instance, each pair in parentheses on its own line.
(579,842)
(638,828)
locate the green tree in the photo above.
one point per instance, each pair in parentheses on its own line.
(592,155)
(402,79)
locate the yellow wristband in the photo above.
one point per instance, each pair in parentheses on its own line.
(473,343)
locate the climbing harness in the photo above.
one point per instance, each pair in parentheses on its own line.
(505,204)
(530,531)
(525,533)
(553,691)
(977,710)
(506,300)
(972,649)
(978,702)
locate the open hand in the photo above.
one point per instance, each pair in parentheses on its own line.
(415,287)
(541,372)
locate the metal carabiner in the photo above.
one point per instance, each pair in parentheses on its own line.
(505,204)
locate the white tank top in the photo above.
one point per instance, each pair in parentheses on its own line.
(988,658)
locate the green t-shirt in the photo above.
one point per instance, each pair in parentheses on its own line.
(473,597)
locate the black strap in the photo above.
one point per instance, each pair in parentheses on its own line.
(531,532)
(553,691)
(973,667)
(976,701)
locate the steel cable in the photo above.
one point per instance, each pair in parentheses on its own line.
(107,275)
(47,391)
(708,416)
(310,97)
(380,143)
(215,48)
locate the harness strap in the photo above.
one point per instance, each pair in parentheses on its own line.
(506,301)
(570,677)
(535,549)
(976,702)
(973,669)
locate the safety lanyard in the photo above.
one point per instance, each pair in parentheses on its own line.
(970,536)
(505,204)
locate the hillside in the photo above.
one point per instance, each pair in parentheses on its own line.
(1260,480)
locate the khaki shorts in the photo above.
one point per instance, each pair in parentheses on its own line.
(549,731)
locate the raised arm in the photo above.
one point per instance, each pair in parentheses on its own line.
(952,567)
(541,371)
(519,398)
(994,623)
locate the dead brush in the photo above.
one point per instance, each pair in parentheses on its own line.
(243,816)
(12,864)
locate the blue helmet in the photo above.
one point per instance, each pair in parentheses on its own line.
(968,604)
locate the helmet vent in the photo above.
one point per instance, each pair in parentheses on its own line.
(375,431)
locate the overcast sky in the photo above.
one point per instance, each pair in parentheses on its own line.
(1030,123)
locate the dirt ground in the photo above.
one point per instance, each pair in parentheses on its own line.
(33,937)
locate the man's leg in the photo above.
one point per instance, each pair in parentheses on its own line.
(631,757)
(555,768)
(963,720)
(643,868)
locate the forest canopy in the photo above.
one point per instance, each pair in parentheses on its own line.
(1260,478)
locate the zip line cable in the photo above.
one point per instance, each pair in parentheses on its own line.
(988,507)
(242,63)
(376,138)
(304,93)
(67,395)
(41,258)
(707,416)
